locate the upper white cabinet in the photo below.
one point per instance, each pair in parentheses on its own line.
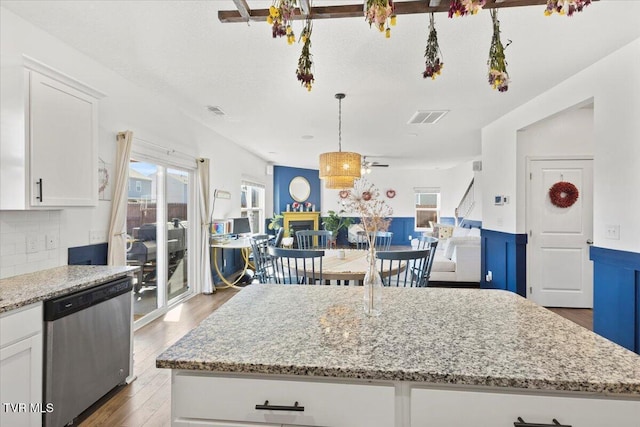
(49,140)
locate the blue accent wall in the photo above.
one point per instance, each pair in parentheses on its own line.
(505,255)
(616,296)
(282,176)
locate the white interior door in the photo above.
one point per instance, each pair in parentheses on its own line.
(559,272)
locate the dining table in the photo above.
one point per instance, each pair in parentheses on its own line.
(351,264)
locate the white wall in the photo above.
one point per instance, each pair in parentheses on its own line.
(452,182)
(614,86)
(126,106)
(568,134)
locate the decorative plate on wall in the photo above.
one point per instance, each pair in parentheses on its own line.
(391,194)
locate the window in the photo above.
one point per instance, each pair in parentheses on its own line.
(138,187)
(252,205)
(427,202)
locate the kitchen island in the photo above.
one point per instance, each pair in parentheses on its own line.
(435,357)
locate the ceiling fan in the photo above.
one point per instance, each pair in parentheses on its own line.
(367,165)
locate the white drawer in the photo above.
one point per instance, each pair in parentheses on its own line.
(325,404)
(21,323)
(469,408)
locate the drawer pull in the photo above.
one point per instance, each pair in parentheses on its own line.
(39,184)
(268,407)
(522,423)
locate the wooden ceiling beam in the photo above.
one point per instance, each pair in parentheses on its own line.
(356,10)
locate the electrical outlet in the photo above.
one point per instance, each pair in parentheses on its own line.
(612,232)
(51,241)
(489,276)
(410,237)
(97,236)
(32,243)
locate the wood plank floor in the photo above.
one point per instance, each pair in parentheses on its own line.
(581,316)
(147,401)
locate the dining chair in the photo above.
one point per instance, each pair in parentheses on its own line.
(296,266)
(261,258)
(382,240)
(431,244)
(314,239)
(403,268)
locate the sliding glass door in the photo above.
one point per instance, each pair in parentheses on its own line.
(158,234)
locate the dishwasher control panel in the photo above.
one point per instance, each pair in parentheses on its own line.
(71,303)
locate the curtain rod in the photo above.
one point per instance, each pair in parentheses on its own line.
(168,151)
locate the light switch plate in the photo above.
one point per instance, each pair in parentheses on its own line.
(51,241)
(32,243)
(612,232)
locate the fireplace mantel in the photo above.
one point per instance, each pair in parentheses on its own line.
(300,216)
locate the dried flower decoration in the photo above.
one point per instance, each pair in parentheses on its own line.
(498,76)
(365,201)
(305,63)
(433,63)
(380,13)
(565,7)
(465,7)
(280,17)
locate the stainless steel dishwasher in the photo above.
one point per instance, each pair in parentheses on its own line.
(87,348)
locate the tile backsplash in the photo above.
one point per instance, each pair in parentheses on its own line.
(29,241)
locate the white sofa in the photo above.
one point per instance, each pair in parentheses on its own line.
(457,258)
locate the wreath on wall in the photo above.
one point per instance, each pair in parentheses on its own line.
(563,194)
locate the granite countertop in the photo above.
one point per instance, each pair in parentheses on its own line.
(453,336)
(18,291)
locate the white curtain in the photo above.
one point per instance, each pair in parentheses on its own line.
(118,221)
(206,207)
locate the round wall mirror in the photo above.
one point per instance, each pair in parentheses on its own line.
(299,189)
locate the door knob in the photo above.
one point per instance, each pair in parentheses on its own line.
(589,242)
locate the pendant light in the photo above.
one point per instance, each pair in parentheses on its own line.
(339,169)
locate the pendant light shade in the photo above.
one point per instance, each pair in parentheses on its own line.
(339,182)
(339,169)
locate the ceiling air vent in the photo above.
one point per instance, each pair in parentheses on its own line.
(426,117)
(215,110)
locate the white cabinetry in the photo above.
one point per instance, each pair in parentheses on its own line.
(48,154)
(234,401)
(453,408)
(21,367)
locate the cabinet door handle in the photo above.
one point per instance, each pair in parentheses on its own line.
(268,407)
(39,183)
(522,423)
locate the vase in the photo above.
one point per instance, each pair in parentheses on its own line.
(372,284)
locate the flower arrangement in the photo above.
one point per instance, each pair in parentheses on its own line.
(364,200)
(465,7)
(280,16)
(307,205)
(382,14)
(296,205)
(305,63)
(498,76)
(565,7)
(432,53)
